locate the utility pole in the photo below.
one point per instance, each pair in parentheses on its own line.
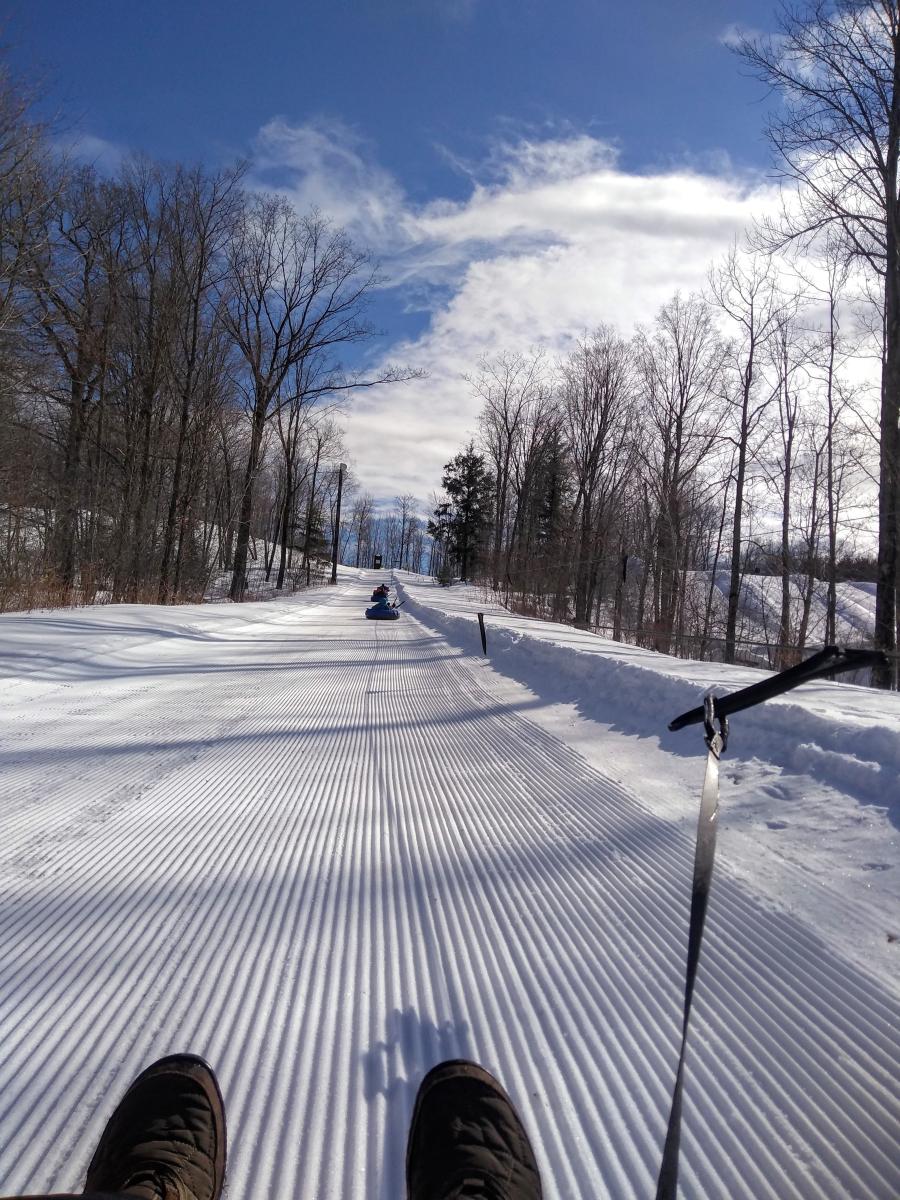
(342,467)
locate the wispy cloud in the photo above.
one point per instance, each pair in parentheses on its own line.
(732,35)
(93,151)
(325,164)
(553,238)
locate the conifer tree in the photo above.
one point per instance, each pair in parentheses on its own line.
(463,520)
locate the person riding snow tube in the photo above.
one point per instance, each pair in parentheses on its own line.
(381,591)
(382,611)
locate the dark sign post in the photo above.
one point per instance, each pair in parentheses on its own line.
(376,563)
(483,634)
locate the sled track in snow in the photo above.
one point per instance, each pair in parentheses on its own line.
(322,854)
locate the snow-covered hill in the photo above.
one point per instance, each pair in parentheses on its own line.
(759,611)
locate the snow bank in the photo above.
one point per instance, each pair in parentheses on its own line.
(845,735)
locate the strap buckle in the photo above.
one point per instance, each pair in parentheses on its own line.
(716,739)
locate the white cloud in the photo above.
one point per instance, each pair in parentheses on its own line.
(324,164)
(93,151)
(733,35)
(553,238)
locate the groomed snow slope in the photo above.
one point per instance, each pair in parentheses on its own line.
(327,853)
(810,798)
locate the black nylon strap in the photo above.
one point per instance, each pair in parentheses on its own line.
(831,660)
(704,856)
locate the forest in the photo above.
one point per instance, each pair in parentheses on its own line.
(635,486)
(172,351)
(748,430)
(175,350)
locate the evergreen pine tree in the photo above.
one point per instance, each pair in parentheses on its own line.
(463,520)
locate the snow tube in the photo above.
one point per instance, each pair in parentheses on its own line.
(382,612)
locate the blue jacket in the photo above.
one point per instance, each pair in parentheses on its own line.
(382,611)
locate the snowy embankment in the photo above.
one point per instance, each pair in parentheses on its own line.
(810,782)
(327,853)
(759,611)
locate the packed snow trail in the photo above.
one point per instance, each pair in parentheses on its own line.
(322,853)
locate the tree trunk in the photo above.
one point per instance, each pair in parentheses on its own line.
(666,585)
(889,491)
(184,522)
(164,592)
(711,591)
(734,584)
(310,510)
(65,530)
(583,567)
(783,652)
(286,530)
(621,580)
(239,578)
(269,550)
(831,598)
(140,552)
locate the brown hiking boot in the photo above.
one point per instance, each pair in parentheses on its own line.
(166,1139)
(466,1140)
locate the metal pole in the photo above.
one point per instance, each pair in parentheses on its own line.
(337,523)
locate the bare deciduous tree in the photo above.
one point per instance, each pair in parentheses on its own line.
(203,210)
(507,385)
(681,363)
(75,281)
(836,66)
(597,396)
(294,289)
(744,288)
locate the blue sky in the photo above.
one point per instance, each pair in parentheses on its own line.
(523,169)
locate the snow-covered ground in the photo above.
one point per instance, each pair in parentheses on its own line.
(327,853)
(810,785)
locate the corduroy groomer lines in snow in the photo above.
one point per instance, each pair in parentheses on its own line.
(324,854)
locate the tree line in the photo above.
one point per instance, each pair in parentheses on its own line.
(728,435)
(633,485)
(399,537)
(172,350)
